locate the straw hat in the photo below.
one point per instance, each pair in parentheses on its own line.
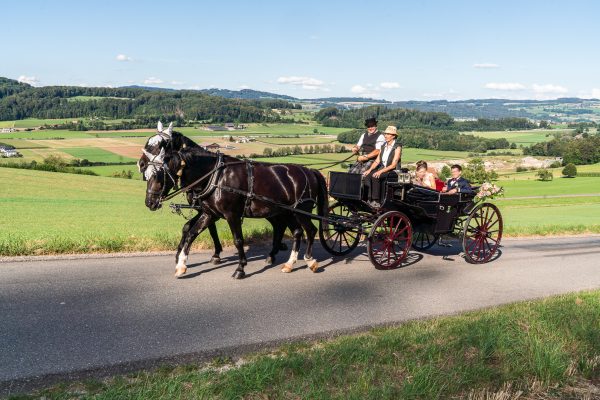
(391,130)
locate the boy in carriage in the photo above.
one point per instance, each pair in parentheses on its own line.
(368,147)
(457,184)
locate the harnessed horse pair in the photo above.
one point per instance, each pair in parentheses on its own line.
(221,186)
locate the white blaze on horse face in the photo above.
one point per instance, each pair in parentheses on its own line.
(152,168)
(155,140)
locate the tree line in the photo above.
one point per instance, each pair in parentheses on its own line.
(407,118)
(19,101)
(578,151)
(436,140)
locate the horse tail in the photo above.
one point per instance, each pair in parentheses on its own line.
(322,195)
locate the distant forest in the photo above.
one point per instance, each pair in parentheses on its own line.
(19,101)
(404,118)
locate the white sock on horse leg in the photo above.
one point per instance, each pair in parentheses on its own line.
(293,258)
(181,260)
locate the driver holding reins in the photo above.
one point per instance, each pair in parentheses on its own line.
(368,147)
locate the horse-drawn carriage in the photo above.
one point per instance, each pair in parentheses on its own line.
(409,216)
(220,186)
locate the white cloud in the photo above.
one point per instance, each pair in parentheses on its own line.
(31,80)
(305,82)
(152,81)
(194,87)
(123,57)
(504,86)
(176,83)
(486,65)
(389,85)
(358,89)
(596,93)
(549,88)
(244,87)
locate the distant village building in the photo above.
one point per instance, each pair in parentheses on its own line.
(6,151)
(229,126)
(212,146)
(8,130)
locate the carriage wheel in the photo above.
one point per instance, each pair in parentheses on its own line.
(482,233)
(422,241)
(389,240)
(338,239)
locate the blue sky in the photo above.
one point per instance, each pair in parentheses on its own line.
(385,49)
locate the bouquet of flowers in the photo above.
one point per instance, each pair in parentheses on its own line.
(489,191)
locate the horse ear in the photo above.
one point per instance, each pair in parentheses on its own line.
(159,127)
(169,129)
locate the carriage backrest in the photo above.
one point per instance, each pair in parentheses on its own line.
(345,185)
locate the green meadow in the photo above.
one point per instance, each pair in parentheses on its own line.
(52,213)
(525,138)
(95,154)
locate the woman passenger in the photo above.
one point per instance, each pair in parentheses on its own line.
(423,176)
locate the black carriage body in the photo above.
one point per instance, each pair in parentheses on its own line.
(427,209)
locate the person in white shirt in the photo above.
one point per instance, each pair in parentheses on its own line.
(384,167)
(368,147)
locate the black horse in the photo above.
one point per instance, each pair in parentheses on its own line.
(225,196)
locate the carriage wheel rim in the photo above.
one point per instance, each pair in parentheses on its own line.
(335,237)
(390,240)
(482,233)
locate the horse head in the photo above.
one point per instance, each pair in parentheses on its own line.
(153,147)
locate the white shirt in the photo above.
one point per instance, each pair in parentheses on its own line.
(386,152)
(378,144)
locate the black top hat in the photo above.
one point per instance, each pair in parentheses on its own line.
(369,122)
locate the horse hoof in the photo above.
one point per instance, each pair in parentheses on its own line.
(238,275)
(179,272)
(269,260)
(215,260)
(286,268)
(314,267)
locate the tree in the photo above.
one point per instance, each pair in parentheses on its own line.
(570,170)
(445,173)
(545,175)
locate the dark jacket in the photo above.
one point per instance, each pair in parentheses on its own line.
(461,184)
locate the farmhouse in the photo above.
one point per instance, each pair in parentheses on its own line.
(8,130)
(6,151)
(212,146)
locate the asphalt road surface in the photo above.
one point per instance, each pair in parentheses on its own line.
(71,318)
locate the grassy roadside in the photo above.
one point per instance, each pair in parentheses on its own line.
(541,349)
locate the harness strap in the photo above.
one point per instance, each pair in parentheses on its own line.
(250,194)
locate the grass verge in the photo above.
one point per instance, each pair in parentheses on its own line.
(541,349)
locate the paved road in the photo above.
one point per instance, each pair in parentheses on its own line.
(61,316)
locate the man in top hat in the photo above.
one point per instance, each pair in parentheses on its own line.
(368,147)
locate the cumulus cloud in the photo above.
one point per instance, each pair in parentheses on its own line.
(123,57)
(596,93)
(176,83)
(30,80)
(389,85)
(504,86)
(549,89)
(152,81)
(244,87)
(305,82)
(486,65)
